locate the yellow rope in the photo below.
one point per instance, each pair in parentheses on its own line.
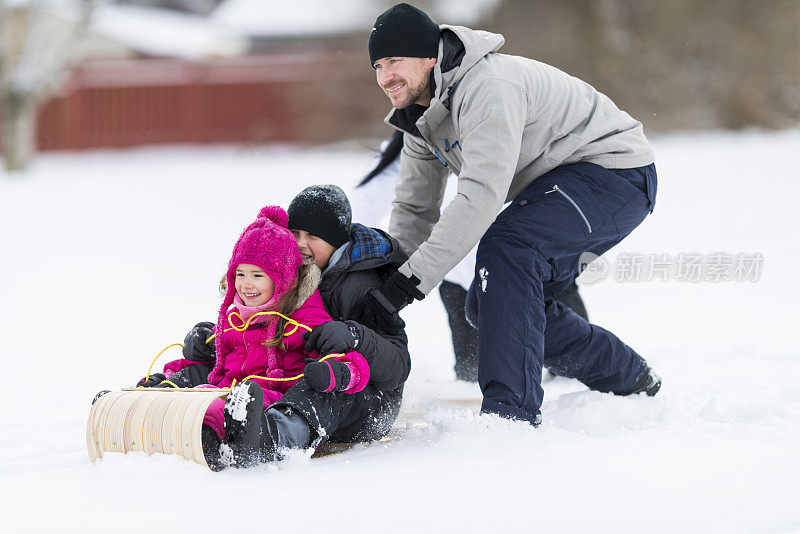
(146,378)
(242,328)
(332,355)
(246,324)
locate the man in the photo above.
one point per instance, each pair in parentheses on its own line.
(578,172)
(372,199)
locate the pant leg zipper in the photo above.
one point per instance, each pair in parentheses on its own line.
(565,195)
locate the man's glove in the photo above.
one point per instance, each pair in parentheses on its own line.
(195,347)
(379,308)
(332,337)
(397,292)
(328,375)
(151,381)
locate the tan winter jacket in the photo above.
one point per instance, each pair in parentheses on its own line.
(499,122)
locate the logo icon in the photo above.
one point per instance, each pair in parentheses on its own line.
(593,268)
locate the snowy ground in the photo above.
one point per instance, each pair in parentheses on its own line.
(109,256)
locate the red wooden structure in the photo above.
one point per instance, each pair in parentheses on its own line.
(315,97)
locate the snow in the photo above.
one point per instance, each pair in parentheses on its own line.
(161,32)
(320,17)
(309,17)
(109,256)
(153,31)
(237,405)
(227,30)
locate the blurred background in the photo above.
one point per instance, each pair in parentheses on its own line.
(87,74)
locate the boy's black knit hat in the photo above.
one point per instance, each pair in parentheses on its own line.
(403,31)
(322,210)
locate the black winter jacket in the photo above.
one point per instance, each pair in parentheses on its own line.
(365,264)
(367,261)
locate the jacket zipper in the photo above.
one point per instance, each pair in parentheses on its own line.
(580,212)
(436,153)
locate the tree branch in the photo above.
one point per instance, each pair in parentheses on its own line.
(5,48)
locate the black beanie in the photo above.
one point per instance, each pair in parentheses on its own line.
(403,31)
(322,210)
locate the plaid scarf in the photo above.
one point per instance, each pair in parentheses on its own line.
(368,243)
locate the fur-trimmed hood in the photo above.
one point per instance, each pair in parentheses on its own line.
(307,284)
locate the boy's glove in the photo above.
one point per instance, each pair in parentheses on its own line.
(332,337)
(195,347)
(152,381)
(180,379)
(328,375)
(375,316)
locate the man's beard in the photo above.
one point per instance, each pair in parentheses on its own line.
(414,94)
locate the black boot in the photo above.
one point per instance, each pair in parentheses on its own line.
(465,336)
(247,441)
(211,444)
(100,394)
(648,383)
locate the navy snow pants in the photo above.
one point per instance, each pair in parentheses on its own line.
(526,258)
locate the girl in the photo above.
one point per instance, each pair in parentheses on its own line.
(267,292)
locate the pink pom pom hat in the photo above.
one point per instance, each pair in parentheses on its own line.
(266,243)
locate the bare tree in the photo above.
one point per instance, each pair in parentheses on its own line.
(33,57)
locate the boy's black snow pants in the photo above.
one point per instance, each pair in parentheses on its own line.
(526,258)
(341,417)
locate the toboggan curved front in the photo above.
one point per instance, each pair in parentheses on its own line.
(168,421)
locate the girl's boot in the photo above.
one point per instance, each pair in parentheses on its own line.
(247,441)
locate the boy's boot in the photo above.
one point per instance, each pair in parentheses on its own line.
(211,443)
(247,441)
(100,394)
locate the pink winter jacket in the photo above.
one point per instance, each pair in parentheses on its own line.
(244,354)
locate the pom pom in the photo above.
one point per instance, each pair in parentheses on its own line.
(275,214)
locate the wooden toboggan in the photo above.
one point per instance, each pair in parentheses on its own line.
(167,421)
